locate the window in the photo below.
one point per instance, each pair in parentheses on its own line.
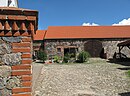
(71,51)
(59,50)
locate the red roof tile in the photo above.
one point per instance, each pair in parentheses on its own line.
(40,35)
(75,32)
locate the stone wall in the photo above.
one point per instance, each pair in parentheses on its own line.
(8,59)
(52,45)
(109,45)
(15,65)
(17,27)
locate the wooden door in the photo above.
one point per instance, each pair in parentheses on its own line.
(94,47)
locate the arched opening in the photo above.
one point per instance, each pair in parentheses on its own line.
(94,47)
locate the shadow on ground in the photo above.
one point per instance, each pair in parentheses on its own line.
(124,62)
(125,94)
(125,68)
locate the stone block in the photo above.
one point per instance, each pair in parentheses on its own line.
(5,48)
(5,92)
(12,39)
(1,84)
(12,59)
(13,82)
(5,71)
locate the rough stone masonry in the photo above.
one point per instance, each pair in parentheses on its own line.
(17,27)
(8,59)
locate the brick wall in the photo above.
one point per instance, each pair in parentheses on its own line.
(17,27)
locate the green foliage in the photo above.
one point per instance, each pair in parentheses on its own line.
(66,58)
(56,59)
(128,73)
(83,57)
(42,56)
(72,55)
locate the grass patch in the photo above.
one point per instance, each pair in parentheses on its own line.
(128,73)
(96,60)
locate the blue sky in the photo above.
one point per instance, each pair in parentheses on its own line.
(77,12)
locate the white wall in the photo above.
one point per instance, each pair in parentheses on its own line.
(13,4)
(3,3)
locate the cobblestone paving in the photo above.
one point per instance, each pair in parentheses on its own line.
(96,79)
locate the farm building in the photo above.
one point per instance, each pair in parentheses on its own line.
(99,41)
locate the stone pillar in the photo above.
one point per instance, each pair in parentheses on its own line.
(17,27)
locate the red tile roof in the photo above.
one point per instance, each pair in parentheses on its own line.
(75,32)
(62,32)
(40,35)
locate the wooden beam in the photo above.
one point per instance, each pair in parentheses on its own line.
(120,51)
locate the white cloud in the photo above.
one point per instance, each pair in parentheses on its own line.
(123,22)
(89,24)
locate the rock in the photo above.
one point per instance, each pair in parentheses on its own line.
(12,39)
(17,81)
(13,82)
(1,41)
(10,84)
(5,48)
(1,63)
(5,71)
(12,59)
(1,84)
(5,92)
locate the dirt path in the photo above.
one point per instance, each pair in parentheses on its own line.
(96,79)
(36,73)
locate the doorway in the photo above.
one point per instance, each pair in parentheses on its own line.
(94,47)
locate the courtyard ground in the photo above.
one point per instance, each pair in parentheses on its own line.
(97,78)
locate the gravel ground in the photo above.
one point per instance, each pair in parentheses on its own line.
(98,78)
(37,67)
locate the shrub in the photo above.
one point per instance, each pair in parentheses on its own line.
(42,56)
(83,57)
(66,58)
(56,59)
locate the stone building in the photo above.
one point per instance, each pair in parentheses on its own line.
(99,41)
